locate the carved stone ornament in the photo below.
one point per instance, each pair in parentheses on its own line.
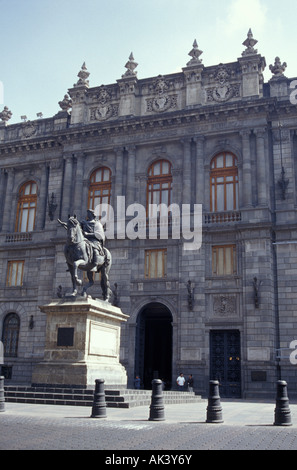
(195,53)
(83,76)
(130,66)
(278,68)
(163,101)
(29,129)
(105,109)
(224,306)
(249,43)
(224,91)
(66,103)
(5,115)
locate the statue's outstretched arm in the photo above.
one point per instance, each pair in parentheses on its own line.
(62,223)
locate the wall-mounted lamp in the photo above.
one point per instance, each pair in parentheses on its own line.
(282,182)
(190,295)
(31,322)
(52,206)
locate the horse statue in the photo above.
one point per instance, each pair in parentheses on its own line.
(79,254)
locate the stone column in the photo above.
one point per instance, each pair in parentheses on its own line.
(8,215)
(261,167)
(200,176)
(2,194)
(78,206)
(42,198)
(67,186)
(118,190)
(186,171)
(131,183)
(246,169)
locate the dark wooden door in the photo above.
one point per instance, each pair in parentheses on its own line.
(225,364)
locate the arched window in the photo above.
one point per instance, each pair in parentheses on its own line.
(10,335)
(26,210)
(224,183)
(100,187)
(159,183)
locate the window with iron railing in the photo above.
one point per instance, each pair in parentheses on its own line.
(224,183)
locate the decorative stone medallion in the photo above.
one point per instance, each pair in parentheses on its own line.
(105,109)
(162,101)
(224,305)
(224,91)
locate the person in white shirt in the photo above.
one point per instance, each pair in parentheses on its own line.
(180,382)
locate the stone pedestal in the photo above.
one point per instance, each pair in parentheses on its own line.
(82,344)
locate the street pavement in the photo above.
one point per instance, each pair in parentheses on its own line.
(248,425)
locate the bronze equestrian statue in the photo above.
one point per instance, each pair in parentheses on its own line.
(85,250)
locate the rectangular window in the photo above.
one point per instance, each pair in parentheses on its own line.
(224,260)
(155,264)
(15,272)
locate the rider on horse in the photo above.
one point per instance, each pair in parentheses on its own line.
(94,233)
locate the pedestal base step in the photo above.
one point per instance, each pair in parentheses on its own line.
(77,396)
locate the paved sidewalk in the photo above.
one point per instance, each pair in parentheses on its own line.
(248,425)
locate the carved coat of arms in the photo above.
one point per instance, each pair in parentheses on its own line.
(163,100)
(224,91)
(105,109)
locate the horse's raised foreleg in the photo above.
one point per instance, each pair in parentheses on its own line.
(76,265)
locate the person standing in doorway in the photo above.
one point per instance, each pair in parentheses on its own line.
(190,383)
(180,382)
(137,382)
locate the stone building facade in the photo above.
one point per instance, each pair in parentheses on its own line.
(215,136)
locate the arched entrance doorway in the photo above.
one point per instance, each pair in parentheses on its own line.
(153,346)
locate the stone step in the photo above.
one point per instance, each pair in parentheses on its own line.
(122,398)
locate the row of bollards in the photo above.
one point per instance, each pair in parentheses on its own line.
(214,411)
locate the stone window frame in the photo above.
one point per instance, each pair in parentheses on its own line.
(151,261)
(27,201)
(225,172)
(101,185)
(161,179)
(225,251)
(15,273)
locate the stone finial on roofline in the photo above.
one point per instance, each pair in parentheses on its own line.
(130,66)
(6,114)
(195,53)
(66,103)
(278,68)
(83,75)
(249,43)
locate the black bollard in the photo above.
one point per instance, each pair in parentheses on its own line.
(2,399)
(214,409)
(282,413)
(99,404)
(157,405)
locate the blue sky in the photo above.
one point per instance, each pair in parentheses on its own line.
(43,43)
